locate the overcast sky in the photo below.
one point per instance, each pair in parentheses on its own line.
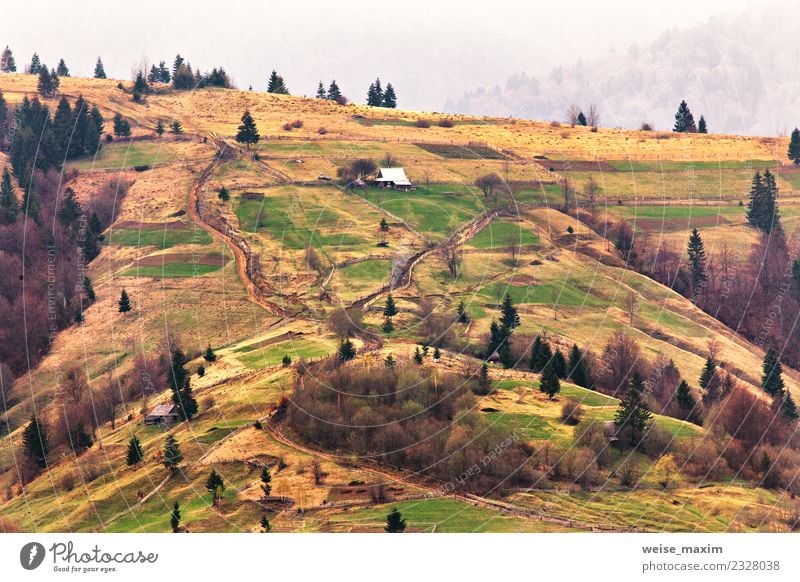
(429,50)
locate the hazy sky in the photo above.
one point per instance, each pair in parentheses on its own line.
(429,50)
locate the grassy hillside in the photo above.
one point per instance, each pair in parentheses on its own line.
(176,248)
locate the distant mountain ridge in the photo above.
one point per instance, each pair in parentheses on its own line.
(738,71)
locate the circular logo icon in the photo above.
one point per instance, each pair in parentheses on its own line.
(31,555)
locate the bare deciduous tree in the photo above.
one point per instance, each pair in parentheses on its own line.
(452,259)
(593,118)
(73,385)
(590,191)
(572,113)
(631,306)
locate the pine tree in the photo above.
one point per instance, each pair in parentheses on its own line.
(265,525)
(35,443)
(633,414)
(684,120)
(164,74)
(185,401)
(35,66)
(684,398)
(159,127)
(9,206)
(388,325)
(395,522)
(375,94)
(794,147)
(30,204)
(755,206)
(124,303)
(419,359)
(384,226)
(176,127)
(389,97)
(765,468)
(437,354)
(176,64)
(701,125)
(215,485)
(496,338)
(347,350)
(509,319)
(70,209)
(248,133)
(286,361)
(581,119)
(266,479)
(7,62)
(62,126)
(135,452)
(390,309)
(540,354)
(99,69)
(334,94)
(276,84)
(47,85)
(560,364)
(321,91)
(772,374)
(771,214)
(172,454)
(549,383)
(389,361)
(578,370)
(484,382)
(463,316)
(709,382)
(178,374)
(697,260)
(61,69)
(122,127)
(89,290)
(788,407)
(209,355)
(175,518)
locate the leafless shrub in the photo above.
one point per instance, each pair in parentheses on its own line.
(297,123)
(322,131)
(317,472)
(423,123)
(209,403)
(571,411)
(445,122)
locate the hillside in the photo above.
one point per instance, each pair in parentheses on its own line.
(269,273)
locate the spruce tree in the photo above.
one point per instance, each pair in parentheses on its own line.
(578,370)
(633,414)
(581,119)
(176,64)
(788,407)
(496,338)
(794,147)
(384,226)
(223,194)
(159,127)
(209,355)
(346,351)
(389,97)
(61,69)
(177,372)
(771,214)
(62,126)
(540,354)
(684,398)
(276,84)
(185,401)
(99,69)
(175,518)
(484,382)
(248,133)
(124,303)
(509,319)
(176,127)
(709,382)
(560,364)
(70,209)
(35,66)
(35,443)
(7,62)
(418,357)
(321,91)
(684,120)
(772,374)
(265,525)
(697,260)
(389,361)
(172,454)
(334,94)
(88,289)
(395,522)
(266,480)
(463,316)
(549,383)
(30,203)
(755,206)
(388,325)
(375,94)
(135,453)
(286,361)
(9,206)
(47,84)
(390,309)
(701,125)
(215,485)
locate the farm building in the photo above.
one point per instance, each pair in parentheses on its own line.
(162,414)
(393,178)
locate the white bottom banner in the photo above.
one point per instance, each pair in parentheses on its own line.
(354,557)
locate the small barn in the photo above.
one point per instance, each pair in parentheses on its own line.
(162,414)
(394,178)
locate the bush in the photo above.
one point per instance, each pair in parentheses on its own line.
(423,123)
(445,122)
(322,131)
(571,412)
(628,473)
(142,168)
(209,403)
(297,123)
(657,441)
(287,126)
